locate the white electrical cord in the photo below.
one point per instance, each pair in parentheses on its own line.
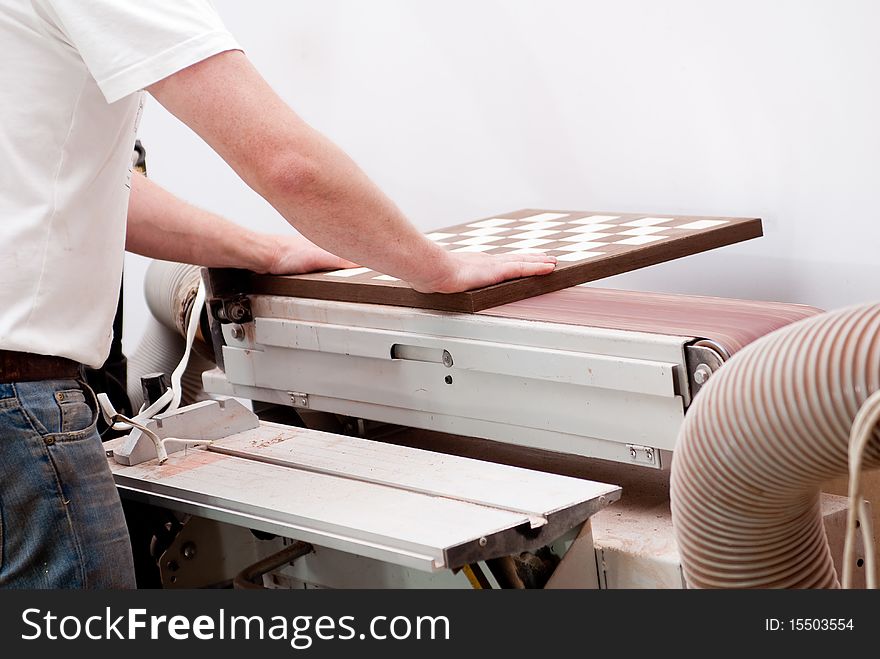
(168,401)
(161,451)
(863,428)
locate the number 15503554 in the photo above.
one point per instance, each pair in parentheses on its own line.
(808,624)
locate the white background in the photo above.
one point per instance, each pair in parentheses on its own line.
(463,109)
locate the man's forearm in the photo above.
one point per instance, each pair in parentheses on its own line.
(165,227)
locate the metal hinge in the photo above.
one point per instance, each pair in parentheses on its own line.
(298,399)
(703,358)
(642,455)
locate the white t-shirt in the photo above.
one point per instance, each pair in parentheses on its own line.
(70,102)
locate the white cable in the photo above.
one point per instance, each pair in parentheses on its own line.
(861,433)
(191,328)
(161,451)
(157,441)
(169,401)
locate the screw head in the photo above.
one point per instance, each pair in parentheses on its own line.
(483,542)
(238,332)
(701,374)
(447,359)
(189,550)
(632,453)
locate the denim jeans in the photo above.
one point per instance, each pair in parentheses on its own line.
(61,521)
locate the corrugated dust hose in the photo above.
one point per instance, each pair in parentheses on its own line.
(170,289)
(761,437)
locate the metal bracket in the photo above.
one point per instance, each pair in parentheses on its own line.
(643,455)
(703,358)
(298,399)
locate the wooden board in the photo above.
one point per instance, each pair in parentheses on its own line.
(589,246)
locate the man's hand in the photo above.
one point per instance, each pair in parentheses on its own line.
(295,255)
(475,270)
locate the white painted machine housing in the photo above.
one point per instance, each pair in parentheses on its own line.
(594,392)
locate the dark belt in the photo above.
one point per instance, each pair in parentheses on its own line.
(28,367)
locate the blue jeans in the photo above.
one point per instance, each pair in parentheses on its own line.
(61,521)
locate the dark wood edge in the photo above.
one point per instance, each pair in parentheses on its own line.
(346,292)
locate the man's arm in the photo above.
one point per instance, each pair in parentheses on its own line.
(163,226)
(314,184)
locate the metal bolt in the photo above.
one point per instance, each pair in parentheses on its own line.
(632,453)
(189,550)
(702,373)
(236,311)
(649,453)
(237,332)
(109,454)
(483,542)
(447,359)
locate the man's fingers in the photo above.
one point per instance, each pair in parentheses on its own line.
(518,269)
(527,258)
(478,270)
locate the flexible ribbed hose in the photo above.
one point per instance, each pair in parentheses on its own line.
(761,437)
(169,289)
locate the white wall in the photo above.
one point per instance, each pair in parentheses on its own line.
(461,109)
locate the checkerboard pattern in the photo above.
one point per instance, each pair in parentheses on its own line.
(570,237)
(587,245)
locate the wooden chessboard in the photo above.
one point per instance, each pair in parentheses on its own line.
(588,246)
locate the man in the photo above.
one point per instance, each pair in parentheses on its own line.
(70,99)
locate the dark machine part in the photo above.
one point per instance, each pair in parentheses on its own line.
(139,158)
(226,303)
(525,570)
(235,310)
(153,386)
(251,578)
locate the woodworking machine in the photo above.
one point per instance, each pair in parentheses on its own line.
(574,376)
(583,371)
